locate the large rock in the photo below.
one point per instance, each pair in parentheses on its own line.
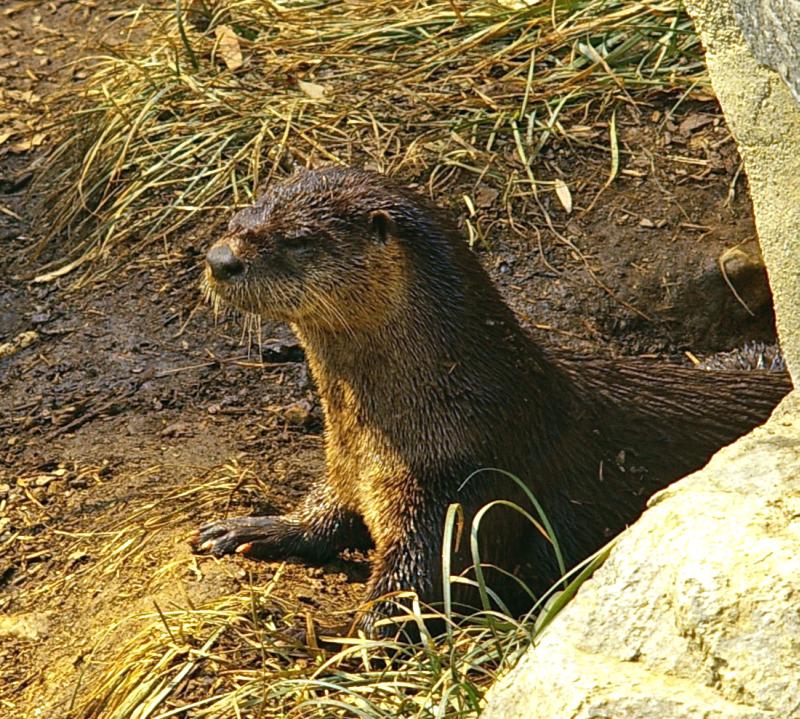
(696,613)
(772,31)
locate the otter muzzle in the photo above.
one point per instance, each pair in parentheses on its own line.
(223,263)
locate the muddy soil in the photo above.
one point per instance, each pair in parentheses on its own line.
(133,415)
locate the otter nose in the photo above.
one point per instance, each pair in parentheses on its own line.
(223,263)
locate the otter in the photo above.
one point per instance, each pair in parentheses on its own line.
(432,391)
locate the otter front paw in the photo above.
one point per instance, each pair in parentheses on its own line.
(259,537)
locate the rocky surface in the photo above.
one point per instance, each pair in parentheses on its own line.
(772,31)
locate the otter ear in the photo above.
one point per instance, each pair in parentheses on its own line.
(381,224)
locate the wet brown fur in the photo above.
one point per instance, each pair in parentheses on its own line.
(425,376)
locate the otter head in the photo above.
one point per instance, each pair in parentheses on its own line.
(320,248)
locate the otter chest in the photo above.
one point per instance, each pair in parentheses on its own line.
(362,464)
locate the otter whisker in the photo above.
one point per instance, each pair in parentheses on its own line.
(259,339)
(324,310)
(329,306)
(330,314)
(253,323)
(245,328)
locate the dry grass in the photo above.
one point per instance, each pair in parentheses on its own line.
(464,98)
(460,97)
(235,656)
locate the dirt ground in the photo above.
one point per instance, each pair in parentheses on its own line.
(132,416)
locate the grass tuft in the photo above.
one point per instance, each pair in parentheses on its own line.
(207,101)
(236,655)
(235,658)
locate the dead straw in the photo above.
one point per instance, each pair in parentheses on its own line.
(177,125)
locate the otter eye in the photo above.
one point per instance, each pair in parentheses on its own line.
(297,243)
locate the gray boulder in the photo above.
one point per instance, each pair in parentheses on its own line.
(772,31)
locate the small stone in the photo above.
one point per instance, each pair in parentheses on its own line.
(298,414)
(33,626)
(57,489)
(176,429)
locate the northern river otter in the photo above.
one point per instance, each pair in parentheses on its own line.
(425,376)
